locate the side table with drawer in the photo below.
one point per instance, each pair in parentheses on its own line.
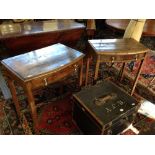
(37,69)
(115,50)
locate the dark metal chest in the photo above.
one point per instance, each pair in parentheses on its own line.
(104,109)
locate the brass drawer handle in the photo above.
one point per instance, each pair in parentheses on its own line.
(45,81)
(113,58)
(136,57)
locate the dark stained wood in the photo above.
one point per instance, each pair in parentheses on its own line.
(24,37)
(41,67)
(81,74)
(115,50)
(42,61)
(122,71)
(91,29)
(121,24)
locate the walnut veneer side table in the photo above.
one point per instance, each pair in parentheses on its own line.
(115,50)
(39,68)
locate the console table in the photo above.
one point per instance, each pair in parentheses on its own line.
(24,37)
(39,68)
(115,50)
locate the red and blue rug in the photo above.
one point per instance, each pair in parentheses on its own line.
(55,118)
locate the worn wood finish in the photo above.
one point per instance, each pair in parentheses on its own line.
(117,47)
(42,61)
(121,25)
(115,50)
(24,37)
(39,68)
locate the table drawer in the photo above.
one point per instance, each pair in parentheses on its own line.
(54,76)
(121,58)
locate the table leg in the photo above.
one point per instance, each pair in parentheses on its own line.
(31,102)
(87,70)
(14,96)
(151,82)
(81,74)
(122,71)
(137,76)
(97,68)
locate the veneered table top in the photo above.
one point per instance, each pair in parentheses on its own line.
(117,46)
(42,61)
(30,28)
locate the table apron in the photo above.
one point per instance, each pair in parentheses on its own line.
(121,58)
(55,76)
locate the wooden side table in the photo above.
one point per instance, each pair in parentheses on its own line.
(115,50)
(38,69)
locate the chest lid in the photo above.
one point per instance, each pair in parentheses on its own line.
(106,101)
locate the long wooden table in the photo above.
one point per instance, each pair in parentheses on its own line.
(19,38)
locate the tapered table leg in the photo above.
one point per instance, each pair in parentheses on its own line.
(81,74)
(87,70)
(137,76)
(32,105)
(14,96)
(122,71)
(97,68)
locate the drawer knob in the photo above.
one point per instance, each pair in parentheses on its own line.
(136,57)
(45,81)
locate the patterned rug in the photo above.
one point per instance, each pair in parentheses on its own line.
(55,112)
(55,118)
(146,81)
(55,108)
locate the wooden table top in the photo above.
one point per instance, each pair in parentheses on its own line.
(121,24)
(42,61)
(30,28)
(117,46)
